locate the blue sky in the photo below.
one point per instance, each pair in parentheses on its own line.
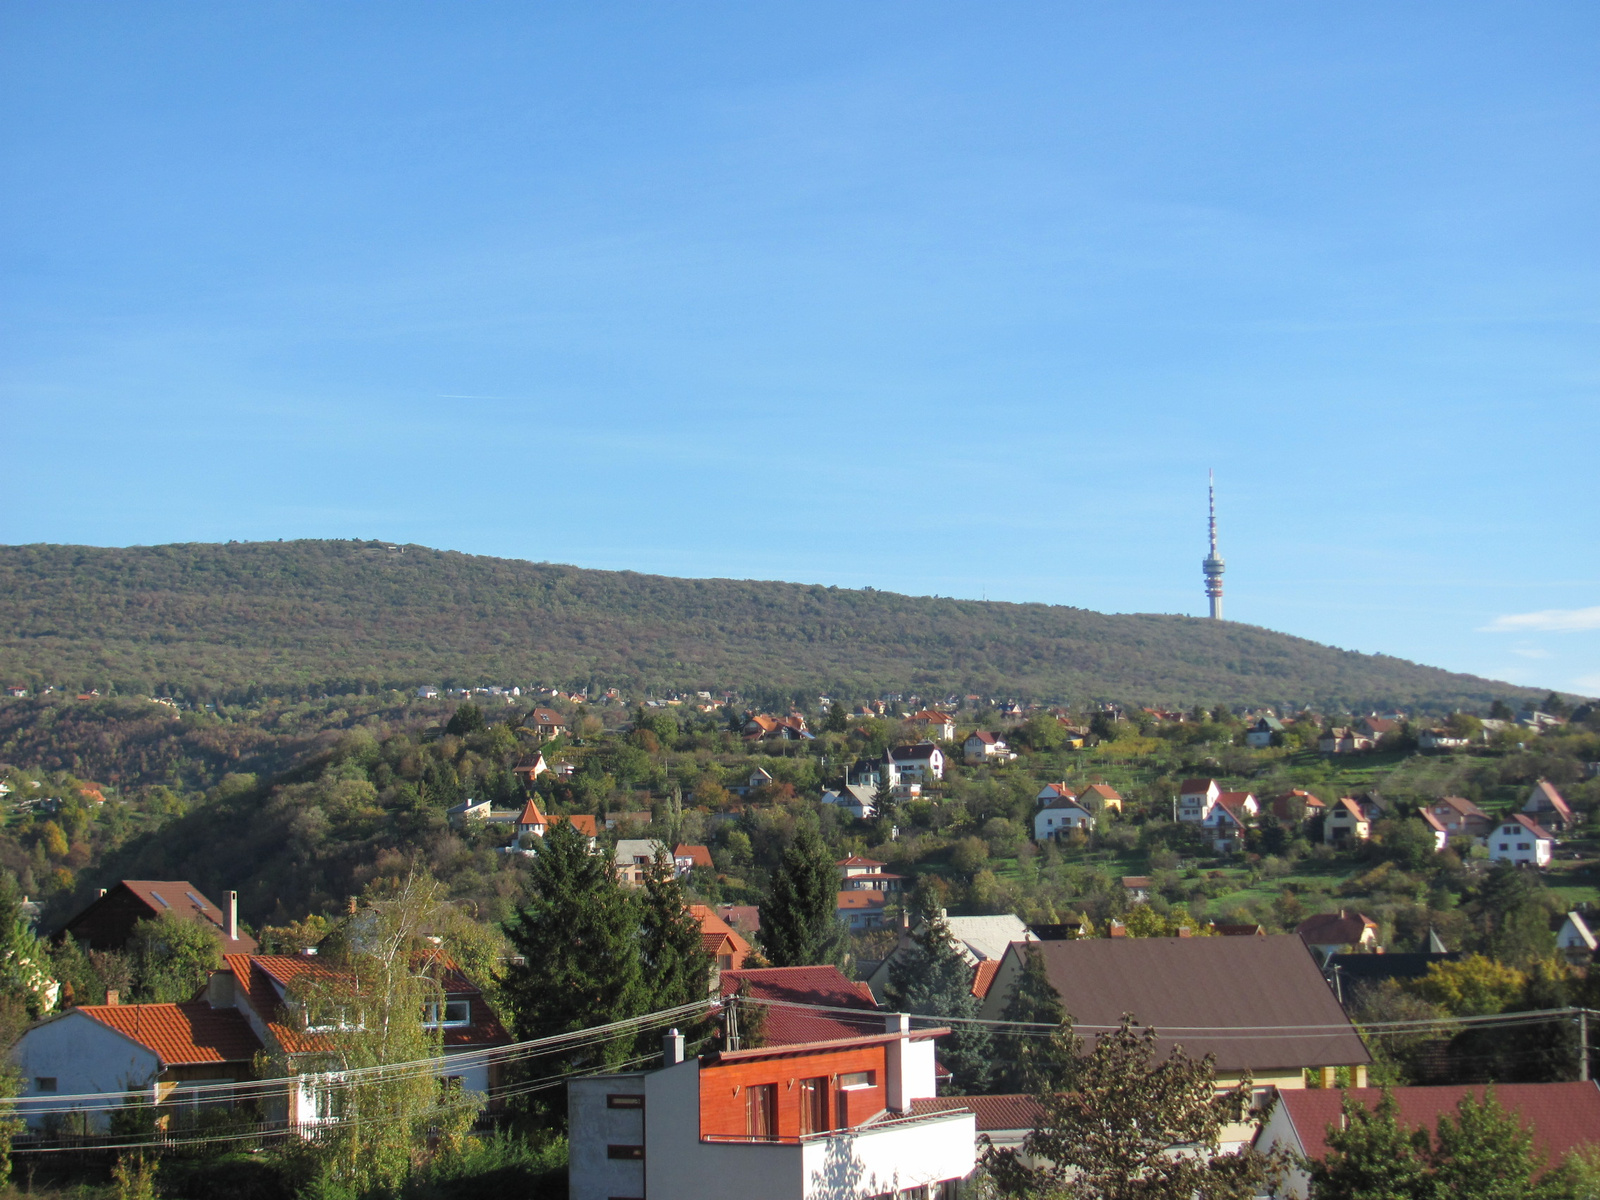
(937,298)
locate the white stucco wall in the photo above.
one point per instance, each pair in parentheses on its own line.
(591,1174)
(83,1056)
(869,1162)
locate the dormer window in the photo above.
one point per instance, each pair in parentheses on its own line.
(450,1014)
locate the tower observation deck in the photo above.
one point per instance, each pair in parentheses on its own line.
(1213,566)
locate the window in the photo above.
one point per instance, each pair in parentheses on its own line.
(631,1153)
(44,1083)
(1503,846)
(814,1105)
(724,962)
(761,1111)
(455,1012)
(1524,846)
(624,1100)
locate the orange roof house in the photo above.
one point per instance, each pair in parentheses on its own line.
(721,941)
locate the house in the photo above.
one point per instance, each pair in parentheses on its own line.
(922,763)
(1441,739)
(1002,1120)
(936,726)
(1261,732)
(1327,934)
(481,810)
(1347,974)
(1441,835)
(529,769)
(878,881)
(1259,1004)
(801,1005)
(686,858)
(108,923)
(248,1007)
(861,908)
(1461,817)
(859,801)
(1522,841)
(1195,798)
(16,692)
(97,1049)
(1561,1117)
(1376,728)
(721,941)
(1136,888)
(427,693)
(533,823)
(1062,817)
(1345,824)
(1229,820)
(745,918)
(759,778)
(1097,797)
(1052,793)
(831,1120)
(1576,943)
(1546,806)
(1339,740)
(856,865)
(979,940)
(545,723)
(633,857)
(762,727)
(986,747)
(1295,806)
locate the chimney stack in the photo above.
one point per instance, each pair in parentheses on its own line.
(113,997)
(671,1048)
(233,916)
(102,891)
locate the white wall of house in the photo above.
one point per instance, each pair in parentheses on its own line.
(1051,822)
(896,1158)
(1513,843)
(592,1173)
(83,1057)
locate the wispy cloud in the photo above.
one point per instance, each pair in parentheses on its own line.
(1551,620)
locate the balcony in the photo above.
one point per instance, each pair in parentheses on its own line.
(885,1157)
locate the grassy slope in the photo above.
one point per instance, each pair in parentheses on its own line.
(313,612)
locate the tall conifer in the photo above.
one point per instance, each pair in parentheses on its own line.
(800,922)
(931,977)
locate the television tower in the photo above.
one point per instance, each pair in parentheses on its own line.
(1213,566)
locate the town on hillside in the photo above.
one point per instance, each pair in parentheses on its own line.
(684,944)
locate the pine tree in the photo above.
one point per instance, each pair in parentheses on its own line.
(675,969)
(1029,1060)
(1370,1157)
(1128,1129)
(931,978)
(837,719)
(578,934)
(799,918)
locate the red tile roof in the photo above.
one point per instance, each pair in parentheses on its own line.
(1561,1116)
(1533,827)
(181,1034)
(994,1113)
(983,977)
(855,860)
(1544,791)
(825,986)
(183,899)
(699,855)
(1104,791)
(531,814)
(746,918)
(862,899)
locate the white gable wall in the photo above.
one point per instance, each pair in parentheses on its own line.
(82,1056)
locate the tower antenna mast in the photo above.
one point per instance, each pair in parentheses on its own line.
(1213,566)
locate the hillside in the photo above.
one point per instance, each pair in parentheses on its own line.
(285,616)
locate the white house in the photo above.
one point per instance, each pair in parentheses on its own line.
(1546,806)
(854,798)
(1441,739)
(1228,819)
(1195,798)
(1522,841)
(935,724)
(1059,818)
(1575,940)
(985,747)
(634,856)
(921,763)
(829,1121)
(1262,732)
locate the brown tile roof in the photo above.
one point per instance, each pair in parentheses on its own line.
(1460,805)
(825,986)
(183,899)
(1561,1116)
(994,1113)
(1343,928)
(855,860)
(862,898)
(746,918)
(1545,793)
(1255,1002)
(1104,791)
(1533,827)
(984,736)
(181,1034)
(1192,787)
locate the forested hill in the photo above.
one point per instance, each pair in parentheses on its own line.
(195,619)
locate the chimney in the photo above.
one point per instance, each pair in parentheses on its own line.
(671,1048)
(350,905)
(899,1069)
(113,997)
(233,916)
(102,891)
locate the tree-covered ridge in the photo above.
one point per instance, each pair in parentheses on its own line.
(223,619)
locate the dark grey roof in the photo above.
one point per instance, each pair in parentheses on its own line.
(1374,968)
(1256,1003)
